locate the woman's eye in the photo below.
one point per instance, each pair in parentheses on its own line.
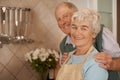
(83,29)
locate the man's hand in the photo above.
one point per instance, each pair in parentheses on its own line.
(64,57)
(105,59)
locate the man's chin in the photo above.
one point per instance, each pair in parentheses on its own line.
(68,33)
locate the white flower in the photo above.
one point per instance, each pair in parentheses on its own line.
(42,50)
(50,59)
(42,57)
(28,56)
(56,59)
(47,54)
(35,54)
(56,54)
(50,51)
(43,54)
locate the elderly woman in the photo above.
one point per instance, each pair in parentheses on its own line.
(81,65)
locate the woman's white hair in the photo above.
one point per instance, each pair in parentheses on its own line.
(88,15)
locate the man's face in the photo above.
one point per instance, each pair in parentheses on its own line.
(63,16)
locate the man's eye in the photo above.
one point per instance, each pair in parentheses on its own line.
(73,27)
(58,19)
(65,16)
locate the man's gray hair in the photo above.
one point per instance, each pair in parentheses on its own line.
(70,5)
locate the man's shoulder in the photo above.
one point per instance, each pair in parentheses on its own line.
(62,44)
(104,28)
(63,40)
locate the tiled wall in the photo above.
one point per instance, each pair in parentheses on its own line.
(43,30)
(12,63)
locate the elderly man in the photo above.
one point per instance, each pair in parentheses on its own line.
(109,55)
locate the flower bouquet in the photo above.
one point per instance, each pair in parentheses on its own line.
(42,59)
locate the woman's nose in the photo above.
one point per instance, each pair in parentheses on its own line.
(78,31)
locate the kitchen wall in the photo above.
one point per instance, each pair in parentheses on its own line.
(106,13)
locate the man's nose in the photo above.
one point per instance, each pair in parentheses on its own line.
(63,22)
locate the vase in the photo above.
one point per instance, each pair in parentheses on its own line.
(43,75)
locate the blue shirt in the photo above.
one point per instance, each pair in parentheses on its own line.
(91,69)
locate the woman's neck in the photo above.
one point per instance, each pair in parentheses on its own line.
(82,50)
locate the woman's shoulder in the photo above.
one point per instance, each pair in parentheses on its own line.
(91,60)
(91,55)
(91,66)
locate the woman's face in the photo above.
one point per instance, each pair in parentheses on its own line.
(82,33)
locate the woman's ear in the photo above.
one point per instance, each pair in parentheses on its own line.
(94,35)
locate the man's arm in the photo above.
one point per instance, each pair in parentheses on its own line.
(109,43)
(115,64)
(107,61)
(110,57)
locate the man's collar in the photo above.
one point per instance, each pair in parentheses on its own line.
(69,41)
